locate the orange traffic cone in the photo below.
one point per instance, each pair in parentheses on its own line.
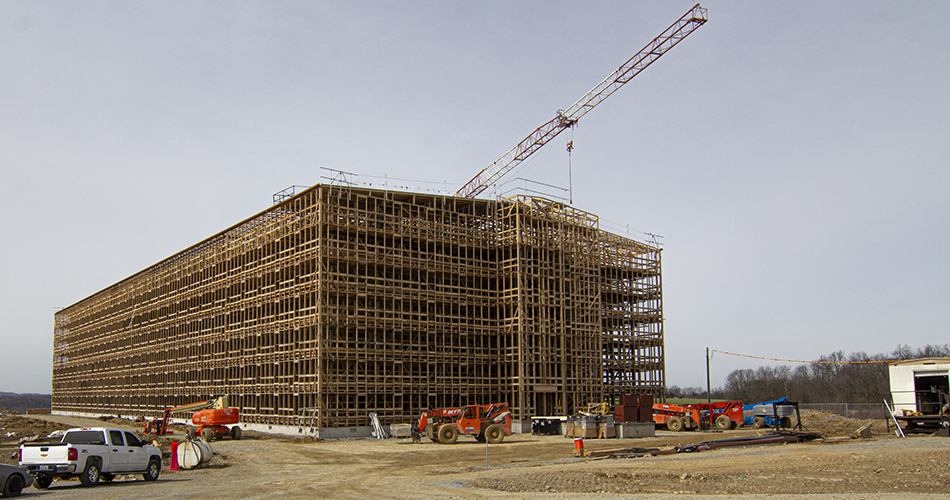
(174,465)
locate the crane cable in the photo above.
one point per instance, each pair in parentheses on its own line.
(820,362)
(570,176)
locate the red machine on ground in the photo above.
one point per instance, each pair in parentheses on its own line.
(676,417)
(210,418)
(211,424)
(723,415)
(486,422)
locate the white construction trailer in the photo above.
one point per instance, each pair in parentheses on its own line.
(916,384)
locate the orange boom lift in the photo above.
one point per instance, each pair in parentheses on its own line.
(210,418)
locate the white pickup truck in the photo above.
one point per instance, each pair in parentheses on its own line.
(91,453)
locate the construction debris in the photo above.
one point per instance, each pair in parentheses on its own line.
(780,437)
(378,431)
(864,432)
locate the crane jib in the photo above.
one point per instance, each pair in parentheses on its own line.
(677,31)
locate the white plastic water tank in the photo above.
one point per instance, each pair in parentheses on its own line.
(191,454)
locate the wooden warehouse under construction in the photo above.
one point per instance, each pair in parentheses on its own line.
(339,302)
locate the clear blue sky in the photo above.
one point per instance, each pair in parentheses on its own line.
(794,156)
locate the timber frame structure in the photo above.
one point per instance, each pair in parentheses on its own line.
(352,301)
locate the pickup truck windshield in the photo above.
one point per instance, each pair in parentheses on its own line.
(84,437)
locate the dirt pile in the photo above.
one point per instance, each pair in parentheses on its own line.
(832,425)
(857,474)
(823,466)
(15,429)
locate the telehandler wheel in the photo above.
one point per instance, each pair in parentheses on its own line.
(494,434)
(758,422)
(674,424)
(448,434)
(723,422)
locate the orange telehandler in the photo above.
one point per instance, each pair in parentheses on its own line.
(210,418)
(489,423)
(676,417)
(722,415)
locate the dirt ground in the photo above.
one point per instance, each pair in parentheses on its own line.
(526,466)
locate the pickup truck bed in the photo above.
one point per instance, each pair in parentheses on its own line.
(90,454)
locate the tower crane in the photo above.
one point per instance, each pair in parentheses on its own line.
(679,30)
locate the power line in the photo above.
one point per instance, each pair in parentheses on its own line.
(820,362)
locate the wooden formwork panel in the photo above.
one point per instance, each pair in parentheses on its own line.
(355,301)
(632,315)
(550,286)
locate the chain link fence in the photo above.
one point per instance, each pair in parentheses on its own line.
(849,410)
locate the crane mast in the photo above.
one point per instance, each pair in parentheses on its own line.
(679,30)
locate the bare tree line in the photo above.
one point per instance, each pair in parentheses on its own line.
(860,382)
(22,402)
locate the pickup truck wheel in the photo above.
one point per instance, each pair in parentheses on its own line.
(154,469)
(494,434)
(107,477)
(448,434)
(14,486)
(674,424)
(90,475)
(42,482)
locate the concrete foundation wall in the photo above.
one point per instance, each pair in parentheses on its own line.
(636,430)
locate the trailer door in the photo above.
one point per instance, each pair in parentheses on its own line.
(928,386)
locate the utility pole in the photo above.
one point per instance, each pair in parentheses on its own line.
(708,389)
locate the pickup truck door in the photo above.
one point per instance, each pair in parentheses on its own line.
(117,452)
(138,458)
